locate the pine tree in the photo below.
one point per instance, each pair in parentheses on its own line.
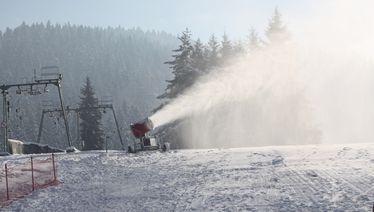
(237,48)
(226,49)
(90,127)
(212,52)
(198,57)
(254,40)
(276,31)
(184,74)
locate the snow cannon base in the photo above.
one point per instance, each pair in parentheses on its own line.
(71,150)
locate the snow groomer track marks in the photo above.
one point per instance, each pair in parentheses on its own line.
(287,178)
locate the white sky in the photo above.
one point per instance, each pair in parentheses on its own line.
(203,17)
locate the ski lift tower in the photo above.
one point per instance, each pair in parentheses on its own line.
(104,104)
(49,75)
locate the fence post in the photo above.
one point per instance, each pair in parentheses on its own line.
(32,174)
(54,168)
(6,182)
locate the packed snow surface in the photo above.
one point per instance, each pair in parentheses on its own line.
(288,178)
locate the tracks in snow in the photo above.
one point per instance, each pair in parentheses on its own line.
(255,179)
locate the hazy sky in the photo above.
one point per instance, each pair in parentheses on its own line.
(203,17)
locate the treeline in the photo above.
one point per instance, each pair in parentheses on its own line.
(193,59)
(126,64)
(278,124)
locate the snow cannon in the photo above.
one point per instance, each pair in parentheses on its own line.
(140,128)
(145,141)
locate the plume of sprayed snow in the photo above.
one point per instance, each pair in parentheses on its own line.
(235,83)
(338,69)
(255,100)
(278,95)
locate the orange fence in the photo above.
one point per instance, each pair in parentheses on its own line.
(19,178)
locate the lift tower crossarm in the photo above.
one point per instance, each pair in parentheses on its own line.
(56,82)
(78,110)
(4,91)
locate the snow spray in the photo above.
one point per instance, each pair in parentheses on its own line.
(317,87)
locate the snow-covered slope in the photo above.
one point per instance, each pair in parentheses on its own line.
(289,178)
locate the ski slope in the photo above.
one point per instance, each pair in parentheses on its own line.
(288,178)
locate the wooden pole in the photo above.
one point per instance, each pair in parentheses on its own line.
(32,174)
(54,168)
(6,181)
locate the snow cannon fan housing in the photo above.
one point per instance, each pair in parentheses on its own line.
(140,128)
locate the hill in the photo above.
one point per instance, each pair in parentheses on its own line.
(288,178)
(126,64)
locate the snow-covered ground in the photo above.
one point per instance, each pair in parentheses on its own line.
(288,178)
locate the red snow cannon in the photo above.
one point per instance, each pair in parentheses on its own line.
(140,128)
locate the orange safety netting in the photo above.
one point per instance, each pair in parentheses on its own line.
(19,178)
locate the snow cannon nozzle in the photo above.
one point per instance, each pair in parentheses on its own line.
(140,128)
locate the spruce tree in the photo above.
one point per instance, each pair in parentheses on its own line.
(198,58)
(237,48)
(226,49)
(90,126)
(184,74)
(212,52)
(276,31)
(254,40)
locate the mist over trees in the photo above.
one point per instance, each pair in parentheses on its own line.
(126,64)
(194,59)
(249,123)
(276,31)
